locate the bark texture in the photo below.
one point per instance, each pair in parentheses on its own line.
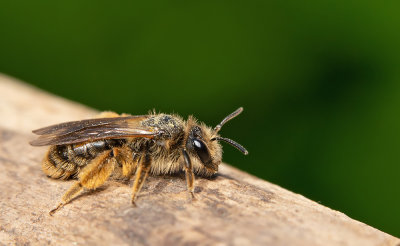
(234,208)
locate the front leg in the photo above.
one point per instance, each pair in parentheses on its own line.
(189,173)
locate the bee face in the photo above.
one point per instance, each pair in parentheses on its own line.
(205,153)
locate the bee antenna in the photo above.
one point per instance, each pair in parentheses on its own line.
(233,143)
(228,118)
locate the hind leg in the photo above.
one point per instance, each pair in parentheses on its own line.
(91,177)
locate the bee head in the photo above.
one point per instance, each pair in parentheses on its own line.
(203,145)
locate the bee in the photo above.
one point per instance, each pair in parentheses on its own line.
(121,146)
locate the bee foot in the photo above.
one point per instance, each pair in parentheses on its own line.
(191,197)
(51,213)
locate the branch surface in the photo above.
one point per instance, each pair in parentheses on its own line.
(234,208)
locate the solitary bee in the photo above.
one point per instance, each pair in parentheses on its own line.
(120,146)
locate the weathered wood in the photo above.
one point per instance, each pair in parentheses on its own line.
(233,208)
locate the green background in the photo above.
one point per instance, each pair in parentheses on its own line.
(319,81)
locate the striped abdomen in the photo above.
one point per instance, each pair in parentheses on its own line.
(64,161)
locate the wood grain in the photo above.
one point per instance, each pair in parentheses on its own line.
(234,208)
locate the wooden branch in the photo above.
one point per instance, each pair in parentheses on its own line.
(234,208)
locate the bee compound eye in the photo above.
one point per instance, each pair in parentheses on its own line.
(202,151)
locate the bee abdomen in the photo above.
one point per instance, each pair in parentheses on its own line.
(91,149)
(56,164)
(64,161)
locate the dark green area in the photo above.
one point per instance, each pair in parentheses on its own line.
(319,81)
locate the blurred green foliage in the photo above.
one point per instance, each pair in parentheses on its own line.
(319,81)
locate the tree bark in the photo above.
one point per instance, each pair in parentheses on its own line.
(234,208)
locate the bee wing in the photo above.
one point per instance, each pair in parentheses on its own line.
(73,126)
(93,129)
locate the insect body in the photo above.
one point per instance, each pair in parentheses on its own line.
(115,146)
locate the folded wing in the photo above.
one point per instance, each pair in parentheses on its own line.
(92,130)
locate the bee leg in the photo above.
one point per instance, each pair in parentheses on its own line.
(68,196)
(91,177)
(110,114)
(107,114)
(189,174)
(140,176)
